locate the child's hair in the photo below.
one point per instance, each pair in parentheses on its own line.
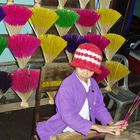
(87,56)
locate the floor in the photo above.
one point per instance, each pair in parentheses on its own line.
(17,125)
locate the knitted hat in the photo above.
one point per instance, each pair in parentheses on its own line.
(87,56)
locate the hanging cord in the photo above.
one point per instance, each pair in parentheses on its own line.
(10,1)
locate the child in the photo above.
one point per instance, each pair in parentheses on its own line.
(79,100)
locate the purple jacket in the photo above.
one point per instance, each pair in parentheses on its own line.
(69,101)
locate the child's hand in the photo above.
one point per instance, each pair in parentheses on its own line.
(123,124)
(114,129)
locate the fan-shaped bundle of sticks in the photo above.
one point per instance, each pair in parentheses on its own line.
(23,47)
(66,20)
(117,72)
(61,3)
(103,3)
(37,3)
(25,83)
(2,13)
(103,75)
(73,41)
(42,19)
(3,44)
(16,17)
(83,3)
(99,40)
(116,41)
(108,17)
(10,2)
(87,20)
(51,46)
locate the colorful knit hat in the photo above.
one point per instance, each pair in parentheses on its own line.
(88,56)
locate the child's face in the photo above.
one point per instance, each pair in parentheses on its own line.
(84,74)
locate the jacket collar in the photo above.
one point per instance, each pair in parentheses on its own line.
(78,82)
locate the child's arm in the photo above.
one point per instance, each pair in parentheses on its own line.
(67,109)
(101,112)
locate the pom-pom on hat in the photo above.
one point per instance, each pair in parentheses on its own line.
(88,56)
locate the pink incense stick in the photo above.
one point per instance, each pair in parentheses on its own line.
(133,107)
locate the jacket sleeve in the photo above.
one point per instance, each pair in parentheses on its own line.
(66,107)
(101,112)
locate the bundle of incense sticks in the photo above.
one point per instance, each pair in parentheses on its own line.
(133,107)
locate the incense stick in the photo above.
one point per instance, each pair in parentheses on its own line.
(133,107)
